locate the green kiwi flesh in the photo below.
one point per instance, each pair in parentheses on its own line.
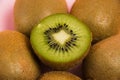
(59,75)
(28,13)
(100,15)
(61,40)
(103,61)
(16,59)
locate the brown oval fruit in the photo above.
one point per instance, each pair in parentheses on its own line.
(100,15)
(28,13)
(103,61)
(16,60)
(59,75)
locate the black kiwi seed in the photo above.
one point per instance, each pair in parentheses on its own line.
(50,28)
(60,26)
(71,31)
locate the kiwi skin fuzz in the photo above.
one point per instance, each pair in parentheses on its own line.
(27,14)
(16,59)
(103,61)
(58,75)
(100,15)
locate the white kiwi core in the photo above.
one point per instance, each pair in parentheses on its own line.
(61,36)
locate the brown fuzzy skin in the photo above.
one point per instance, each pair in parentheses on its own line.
(100,15)
(118,25)
(59,75)
(16,60)
(28,13)
(103,61)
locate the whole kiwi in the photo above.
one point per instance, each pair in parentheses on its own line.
(28,13)
(100,15)
(59,75)
(16,59)
(103,61)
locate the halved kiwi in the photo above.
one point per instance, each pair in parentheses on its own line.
(16,59)
(61,40)
(28,13)
(59,75)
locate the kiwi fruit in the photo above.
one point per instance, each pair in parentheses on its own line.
(100,15)
(61,41)
(103,61)
(59,75)
(16,60)
(28,13)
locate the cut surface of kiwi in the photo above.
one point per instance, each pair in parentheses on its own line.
(16,59)
(61,40)
(59,75)
(103,61)
(28,13)
(101,16)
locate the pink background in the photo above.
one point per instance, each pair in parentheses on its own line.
(6,13)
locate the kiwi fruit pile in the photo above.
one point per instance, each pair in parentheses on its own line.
(59,75)
(27,14)
(16,58)
(46,35)
(100,15)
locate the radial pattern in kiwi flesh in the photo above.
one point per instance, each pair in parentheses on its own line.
(28,13)
(61,40)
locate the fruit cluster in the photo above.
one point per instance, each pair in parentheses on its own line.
(49,42)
